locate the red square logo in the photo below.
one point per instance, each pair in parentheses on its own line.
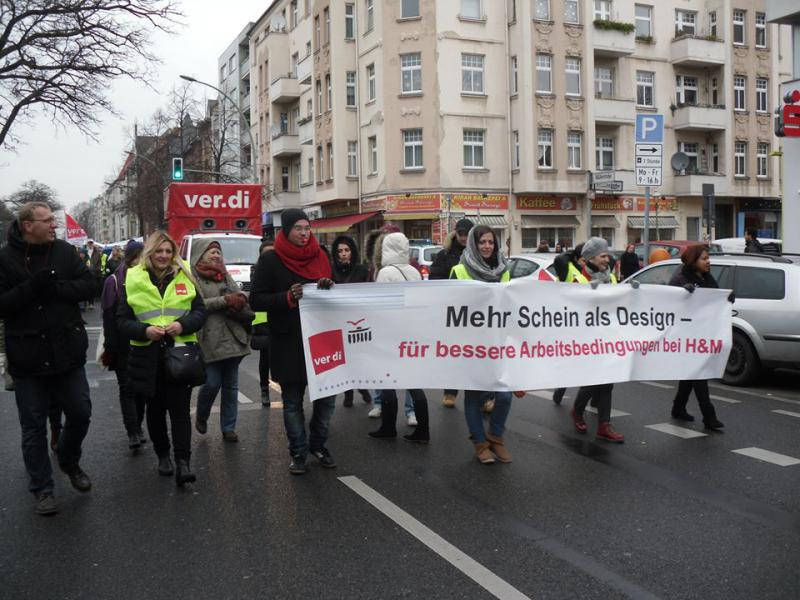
(180,289)
(327,350)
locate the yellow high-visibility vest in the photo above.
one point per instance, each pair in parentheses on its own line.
(261,317)
(460,271)
(150,307)
(574,274)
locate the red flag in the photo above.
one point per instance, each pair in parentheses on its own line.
(75,233)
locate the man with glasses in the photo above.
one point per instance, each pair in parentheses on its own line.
(42,280)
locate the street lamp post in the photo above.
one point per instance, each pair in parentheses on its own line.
(254,149)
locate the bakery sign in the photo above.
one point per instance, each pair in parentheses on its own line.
(552,202)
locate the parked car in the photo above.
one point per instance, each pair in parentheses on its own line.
(423,251)
(674,247)
(766,327)
(528,265)
(770,245)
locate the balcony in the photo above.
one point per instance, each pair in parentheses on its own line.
(697,51)
(281,200)
(614,111)
(244,68)
(691,184)
(306,130)
(612,42)
(284,90)
(285,145)
(304,68)
(700,118)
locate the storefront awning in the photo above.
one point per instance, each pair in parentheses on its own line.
(655,222)
(534,221)
(493,221)
(605,221)
(410,216)
(340,224)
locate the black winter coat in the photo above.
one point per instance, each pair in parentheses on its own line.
(44,332)
(686,275)
(628,264)
(144,362)
(446,259)
(271,281)
(354,272)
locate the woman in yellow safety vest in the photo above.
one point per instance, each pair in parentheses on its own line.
(160,308)
(482,260)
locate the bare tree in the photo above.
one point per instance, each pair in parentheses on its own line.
(63,55)
(83,213)
(223,139)
(35,191)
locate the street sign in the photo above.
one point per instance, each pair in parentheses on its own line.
(602,176)
(649,162)
(609,186)
(650,128)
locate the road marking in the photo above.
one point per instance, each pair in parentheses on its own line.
(771,457)
(680,432)
(788,413)
(614,412)
(663,386)
(93,328)
(493,584)
(244,399)
(724,399)
(756,394)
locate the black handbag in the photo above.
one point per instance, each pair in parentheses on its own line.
(184,365)
(259,342)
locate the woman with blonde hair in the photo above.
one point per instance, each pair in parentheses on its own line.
(160,308)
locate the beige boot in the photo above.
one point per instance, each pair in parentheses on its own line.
(498,446)
(449,400)
(483,454)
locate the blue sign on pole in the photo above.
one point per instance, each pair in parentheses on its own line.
(650,128)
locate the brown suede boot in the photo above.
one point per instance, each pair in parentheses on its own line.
(497,445)
(483,454)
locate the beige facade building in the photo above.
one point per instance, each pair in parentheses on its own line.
(418,112)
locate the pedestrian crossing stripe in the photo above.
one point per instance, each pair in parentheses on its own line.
(724,399)
(663,386)
(614,412)
(680,432)
(768,456)
(788,413)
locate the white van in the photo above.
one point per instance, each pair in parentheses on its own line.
(738,244)
(240,251)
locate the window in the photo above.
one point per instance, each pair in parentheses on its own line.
(712,23)
(531,237)
(284,123)
(514,76)
(544,71)
(294,13)
(411,72)
(738,27)
(690,150)
(685,22)
(573,66)
(473,148)
(369,7)
(760,283)
(285,179)
(644,88)
(307,7)
(317,33)
(686,90)
(604,154)
(222,73)
(330,160)
(715,158)
(351,89)
(512,11)
(327,14)
(603,82)
(602,10)
(761,30)
(409,8)
(607,233)
(515,138)
(329,88)
(693,228)
(761,95)
(762,152)
(739,159)
(321,164)
(574,150)
(310,170)
(644,21)
(373,154)
(371,83)
(319,97)
(295,60)
(739,93)
(472,73)
(349,21)
(309,108)
(352,159)
(471,9)
(714,91)
(541,10)
(308,48)
(571,13)
(412,149)
(545,149)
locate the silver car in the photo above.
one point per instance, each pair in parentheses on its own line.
(766,314)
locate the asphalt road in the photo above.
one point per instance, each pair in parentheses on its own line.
(661,516)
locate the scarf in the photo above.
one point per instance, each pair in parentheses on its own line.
(593,274)
(308,261)
(476,265)
(213,271)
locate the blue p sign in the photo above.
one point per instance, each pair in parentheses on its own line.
(650,128)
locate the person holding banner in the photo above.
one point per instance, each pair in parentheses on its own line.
(278,281)
(483,261)
(391,266)
(695,273)
(596,271)
(568,268)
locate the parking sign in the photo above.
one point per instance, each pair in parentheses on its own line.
(649,128)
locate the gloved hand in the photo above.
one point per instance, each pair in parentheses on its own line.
(43,281)
(689,287)
(635,284)
(324,283)
(235,301)
(107,359)
(731,297)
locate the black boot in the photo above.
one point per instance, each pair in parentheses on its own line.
(184,474)
(165,466)
(348,398)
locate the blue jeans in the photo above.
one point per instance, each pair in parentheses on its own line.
(409,407)
(221,374)
(473,404)
(295,423)
(34,395)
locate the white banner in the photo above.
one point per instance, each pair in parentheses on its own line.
(504,337)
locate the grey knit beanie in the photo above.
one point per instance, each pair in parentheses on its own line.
(594,246)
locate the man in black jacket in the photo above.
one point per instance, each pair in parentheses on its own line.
(42,280)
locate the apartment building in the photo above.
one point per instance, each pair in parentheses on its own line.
(418,112)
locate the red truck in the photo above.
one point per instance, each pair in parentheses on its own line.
(191,208)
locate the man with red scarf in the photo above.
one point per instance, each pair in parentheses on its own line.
(277,289)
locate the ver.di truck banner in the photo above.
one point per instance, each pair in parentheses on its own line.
(524,335)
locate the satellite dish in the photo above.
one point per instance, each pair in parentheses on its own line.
(679,162)
(278,23)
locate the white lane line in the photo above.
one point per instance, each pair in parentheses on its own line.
(724,399)
(493,584)
(788,413)
(771,457)
(680,432)
(663,386)
(244,399)
(762,395)
(93,328)
(614,412)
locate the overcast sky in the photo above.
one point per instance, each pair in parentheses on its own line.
(76,167)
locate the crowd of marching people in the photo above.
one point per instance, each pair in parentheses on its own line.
(169,326)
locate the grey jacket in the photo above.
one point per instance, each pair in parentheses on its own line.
(224,335)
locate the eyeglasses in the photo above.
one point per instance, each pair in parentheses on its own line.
(301,229)
(49,220)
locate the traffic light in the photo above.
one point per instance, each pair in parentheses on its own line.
(177,169)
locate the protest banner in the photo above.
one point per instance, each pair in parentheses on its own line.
(503,337)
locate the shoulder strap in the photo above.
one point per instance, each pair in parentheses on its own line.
(401,272)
